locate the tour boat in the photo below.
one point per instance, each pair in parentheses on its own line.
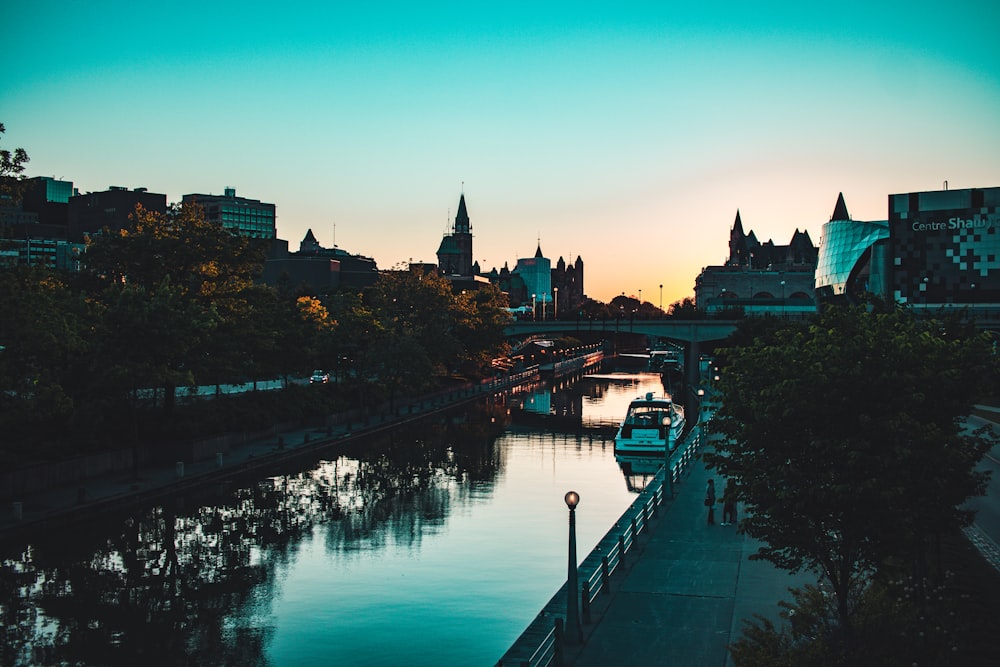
(652,424)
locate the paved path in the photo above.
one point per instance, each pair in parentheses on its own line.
(693,586)
(685,599)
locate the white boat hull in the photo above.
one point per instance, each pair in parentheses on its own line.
(651,426)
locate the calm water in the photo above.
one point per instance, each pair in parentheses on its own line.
(435,547)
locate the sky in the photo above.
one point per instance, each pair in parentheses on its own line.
(627,134)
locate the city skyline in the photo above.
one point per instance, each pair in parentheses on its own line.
(628,136)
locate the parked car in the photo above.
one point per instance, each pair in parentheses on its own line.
(320,377)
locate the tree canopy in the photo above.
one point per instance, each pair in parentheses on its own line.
(845,440)
(12,170)
(175,300)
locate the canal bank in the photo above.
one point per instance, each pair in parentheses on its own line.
(57,495)
(114,490)
(434,542)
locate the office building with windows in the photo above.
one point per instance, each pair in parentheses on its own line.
(944,249)
(249,217)
(939,249)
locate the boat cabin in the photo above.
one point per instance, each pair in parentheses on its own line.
(648,414)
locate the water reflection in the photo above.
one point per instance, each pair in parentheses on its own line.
(638,470)
(171,586)
(338,559)
(595,403)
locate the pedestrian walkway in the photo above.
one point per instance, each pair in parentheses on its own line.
(684,601)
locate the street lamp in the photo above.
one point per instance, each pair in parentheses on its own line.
(782,299)
(668,473)
(533,306)
(573,634)
(545,297)
(555,307)
(661,296)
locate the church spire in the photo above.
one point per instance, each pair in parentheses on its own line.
(462,225)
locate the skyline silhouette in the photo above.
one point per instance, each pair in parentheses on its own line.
(628,135)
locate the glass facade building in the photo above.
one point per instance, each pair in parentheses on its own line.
(536,272)
(852,259)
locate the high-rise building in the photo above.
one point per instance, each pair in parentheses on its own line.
(249,217)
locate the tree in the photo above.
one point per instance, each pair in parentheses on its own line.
(480,318)
(196,269)
(685,309)
(413,337)
(202,258)
(311,340)
(11,171)
(845,442)
(42,337)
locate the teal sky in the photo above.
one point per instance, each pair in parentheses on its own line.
(628,135)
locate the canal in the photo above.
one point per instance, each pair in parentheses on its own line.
(435,546)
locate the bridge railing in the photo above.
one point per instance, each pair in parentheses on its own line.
(541,644)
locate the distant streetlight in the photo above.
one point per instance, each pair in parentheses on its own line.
(555,305)
(533,306)
(545,297)
(782,299)
(640,297)
(661,296)
(573,634)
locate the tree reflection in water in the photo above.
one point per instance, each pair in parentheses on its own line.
(167,585)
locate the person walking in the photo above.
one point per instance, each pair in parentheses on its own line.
(729,503)
(710,501)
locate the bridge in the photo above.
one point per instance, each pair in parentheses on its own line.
(687,332)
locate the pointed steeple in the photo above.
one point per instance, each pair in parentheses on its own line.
(738,251)
(462,218)
(309,243)
(840,210)
(538,252)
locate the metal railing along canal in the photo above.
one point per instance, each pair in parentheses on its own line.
(541,644)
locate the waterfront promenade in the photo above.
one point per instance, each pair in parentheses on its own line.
(679,595)
(687,593)
(684,591)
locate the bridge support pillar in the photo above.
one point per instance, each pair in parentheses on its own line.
(692,370)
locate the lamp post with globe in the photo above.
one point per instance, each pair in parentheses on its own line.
(573,634)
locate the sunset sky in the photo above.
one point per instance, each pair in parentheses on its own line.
(628,134)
